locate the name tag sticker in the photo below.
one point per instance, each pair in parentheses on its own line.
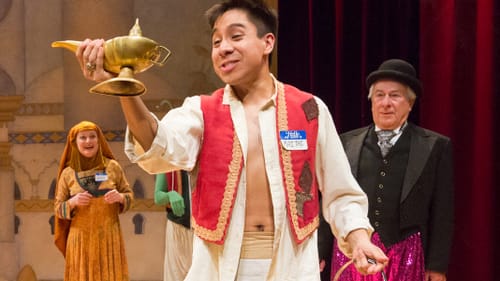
(294,139)
(101,177)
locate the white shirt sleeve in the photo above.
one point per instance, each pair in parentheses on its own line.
(345,205)
(177,141)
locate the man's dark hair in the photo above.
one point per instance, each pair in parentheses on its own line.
(264,18)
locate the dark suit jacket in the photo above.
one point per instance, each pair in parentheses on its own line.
(426,202)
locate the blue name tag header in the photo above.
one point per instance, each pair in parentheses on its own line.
(294,139)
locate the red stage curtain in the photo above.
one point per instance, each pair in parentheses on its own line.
(457,66)
(328,48)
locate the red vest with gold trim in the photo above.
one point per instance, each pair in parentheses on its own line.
(221,162)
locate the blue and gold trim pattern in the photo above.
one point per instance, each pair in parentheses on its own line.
(58,137)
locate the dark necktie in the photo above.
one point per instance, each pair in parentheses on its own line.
(384,140)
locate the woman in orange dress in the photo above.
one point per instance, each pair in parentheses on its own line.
(91,192)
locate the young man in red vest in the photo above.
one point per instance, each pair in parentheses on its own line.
(260,153)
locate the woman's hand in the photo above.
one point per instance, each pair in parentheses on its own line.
(113,196)
(80,199)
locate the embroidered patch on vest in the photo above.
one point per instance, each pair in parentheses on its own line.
(305,183)
(310,109)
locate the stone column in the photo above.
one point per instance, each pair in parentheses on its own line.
(9,263)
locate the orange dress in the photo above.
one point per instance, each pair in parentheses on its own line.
(94,247)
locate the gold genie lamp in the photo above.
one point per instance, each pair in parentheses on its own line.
(125,56)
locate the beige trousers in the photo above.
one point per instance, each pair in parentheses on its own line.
(256,253)
(178,251)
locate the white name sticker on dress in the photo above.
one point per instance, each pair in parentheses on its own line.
(294,139)
(101,177)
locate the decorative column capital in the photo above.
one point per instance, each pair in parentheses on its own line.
(8,107)
(5,158)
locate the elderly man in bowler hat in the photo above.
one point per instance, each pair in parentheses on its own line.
(407,172)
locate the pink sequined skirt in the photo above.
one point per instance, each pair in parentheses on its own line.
(406,261)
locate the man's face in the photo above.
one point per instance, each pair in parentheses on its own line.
(87,143)
(238,54)
(390,104)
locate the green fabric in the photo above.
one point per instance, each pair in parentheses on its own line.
(164,197)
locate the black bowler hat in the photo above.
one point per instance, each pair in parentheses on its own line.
(398,70)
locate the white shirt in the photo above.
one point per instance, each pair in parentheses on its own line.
(345,206)
(397,133)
